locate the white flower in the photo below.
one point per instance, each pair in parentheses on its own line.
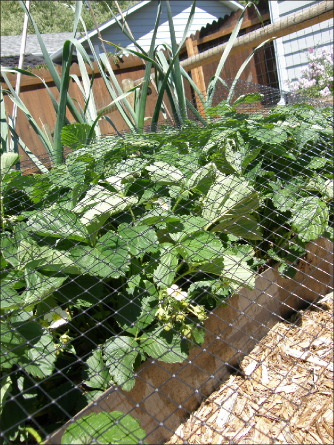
(164,205)
(175,292)
(57,317)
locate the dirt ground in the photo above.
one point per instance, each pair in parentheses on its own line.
(283,394)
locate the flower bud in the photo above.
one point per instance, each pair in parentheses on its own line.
(168,326)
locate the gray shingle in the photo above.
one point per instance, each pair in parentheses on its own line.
(10,45)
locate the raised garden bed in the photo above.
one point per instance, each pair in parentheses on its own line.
(165,394)
(115,259)
(283,392)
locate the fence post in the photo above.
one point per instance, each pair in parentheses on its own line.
(127,84)
(197,75)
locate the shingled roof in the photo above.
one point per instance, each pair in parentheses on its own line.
(10,45)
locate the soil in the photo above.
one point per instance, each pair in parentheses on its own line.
(283,392)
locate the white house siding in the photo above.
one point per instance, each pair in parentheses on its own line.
(141,23)
(291,50)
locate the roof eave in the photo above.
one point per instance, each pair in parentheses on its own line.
(56,56)
(113,21)
(235,6)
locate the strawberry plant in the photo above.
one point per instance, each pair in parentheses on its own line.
(118,255)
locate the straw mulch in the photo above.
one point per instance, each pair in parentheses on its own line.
(284,393)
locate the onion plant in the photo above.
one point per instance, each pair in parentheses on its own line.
(87,117)
(168,73)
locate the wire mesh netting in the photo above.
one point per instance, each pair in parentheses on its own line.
(138,275)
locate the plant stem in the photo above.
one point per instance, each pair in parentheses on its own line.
(2,215)
(284,240)
(178,200)
(34,433)
(133,216)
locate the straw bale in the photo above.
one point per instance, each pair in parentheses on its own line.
(283,392)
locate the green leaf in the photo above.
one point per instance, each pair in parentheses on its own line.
(53,260)
(75,135)
(269,134)
(329,234)
(296,251)
(122,181)
(4,125)
(284,198)
(317,162)
(40,359)
(198,335)
(136,309)
(328,188)
(105,205)
(203,174)
(69,176)
(213,82)
(245,227)
(229,197)
(215,266)
(248,98)
(231,269)
(120,353)
(9,248)
(39,286)
(99,201)
(58,223)
(13,416)
(104,428)
(6,388)
(10,299)
(200,248)
(31,394)
(10,338)
(233,157)
(46,305)
(287,270)
(187,226)
(164,346)
(240,155)
(238,272)
(51,66)
(95,373)
(139,239)
(164,173)
(173,70)
(8,160)
(310,218)
(77,170)
(103,260)
(164,274)
(158,215)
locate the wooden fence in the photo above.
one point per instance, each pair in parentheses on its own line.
(194,56)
